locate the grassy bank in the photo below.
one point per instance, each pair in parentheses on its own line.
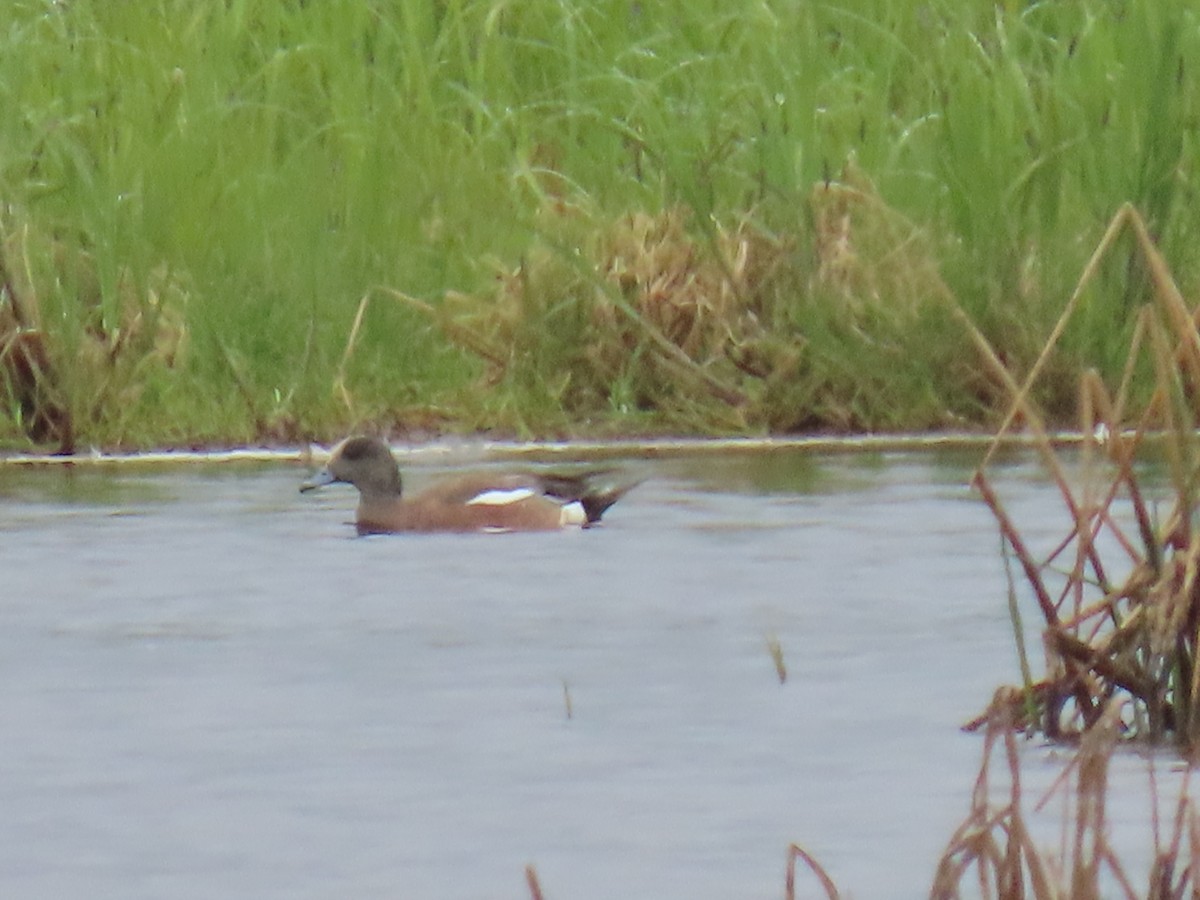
(559,218)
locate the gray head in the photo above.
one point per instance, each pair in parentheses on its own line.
(365,462)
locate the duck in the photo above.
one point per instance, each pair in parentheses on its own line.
(506,502)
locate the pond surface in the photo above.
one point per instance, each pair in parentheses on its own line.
(211,688)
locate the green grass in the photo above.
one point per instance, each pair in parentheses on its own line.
(280,160)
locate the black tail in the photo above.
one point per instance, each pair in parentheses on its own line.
(596,502)
(588,490)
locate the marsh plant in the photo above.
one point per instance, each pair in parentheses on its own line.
(622,215)
(994,852)
(55,380)
(711,325)
(1119,600)
(1118,594)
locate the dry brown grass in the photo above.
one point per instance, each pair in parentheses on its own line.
(797,856)
(706,324)
(868,255)
(644,305)
(51,377)
(1126,625)
(1120,601)
(994,853)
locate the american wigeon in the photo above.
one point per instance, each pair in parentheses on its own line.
(482,502)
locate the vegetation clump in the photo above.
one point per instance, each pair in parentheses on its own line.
(1119,598)
(994,852)
(53,380)
(704,325)
(747,219)
(1119,594)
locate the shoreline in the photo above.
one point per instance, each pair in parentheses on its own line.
(581,449)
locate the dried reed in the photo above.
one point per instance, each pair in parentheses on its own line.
(120,334)
(797,854)
(1127,627)
(704,323)
(994,850)
(26,374)
(775,648)
(535,886)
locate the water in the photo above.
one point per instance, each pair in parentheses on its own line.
(210,688)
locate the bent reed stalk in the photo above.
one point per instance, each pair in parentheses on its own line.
(994,850)
(1127,626)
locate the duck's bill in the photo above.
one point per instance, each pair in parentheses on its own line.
(320,478)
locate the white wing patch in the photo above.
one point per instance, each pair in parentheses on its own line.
(573,514)
(500,498)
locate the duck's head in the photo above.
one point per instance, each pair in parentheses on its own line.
(365,462)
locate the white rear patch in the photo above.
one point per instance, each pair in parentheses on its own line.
(573,514)
(500,498)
